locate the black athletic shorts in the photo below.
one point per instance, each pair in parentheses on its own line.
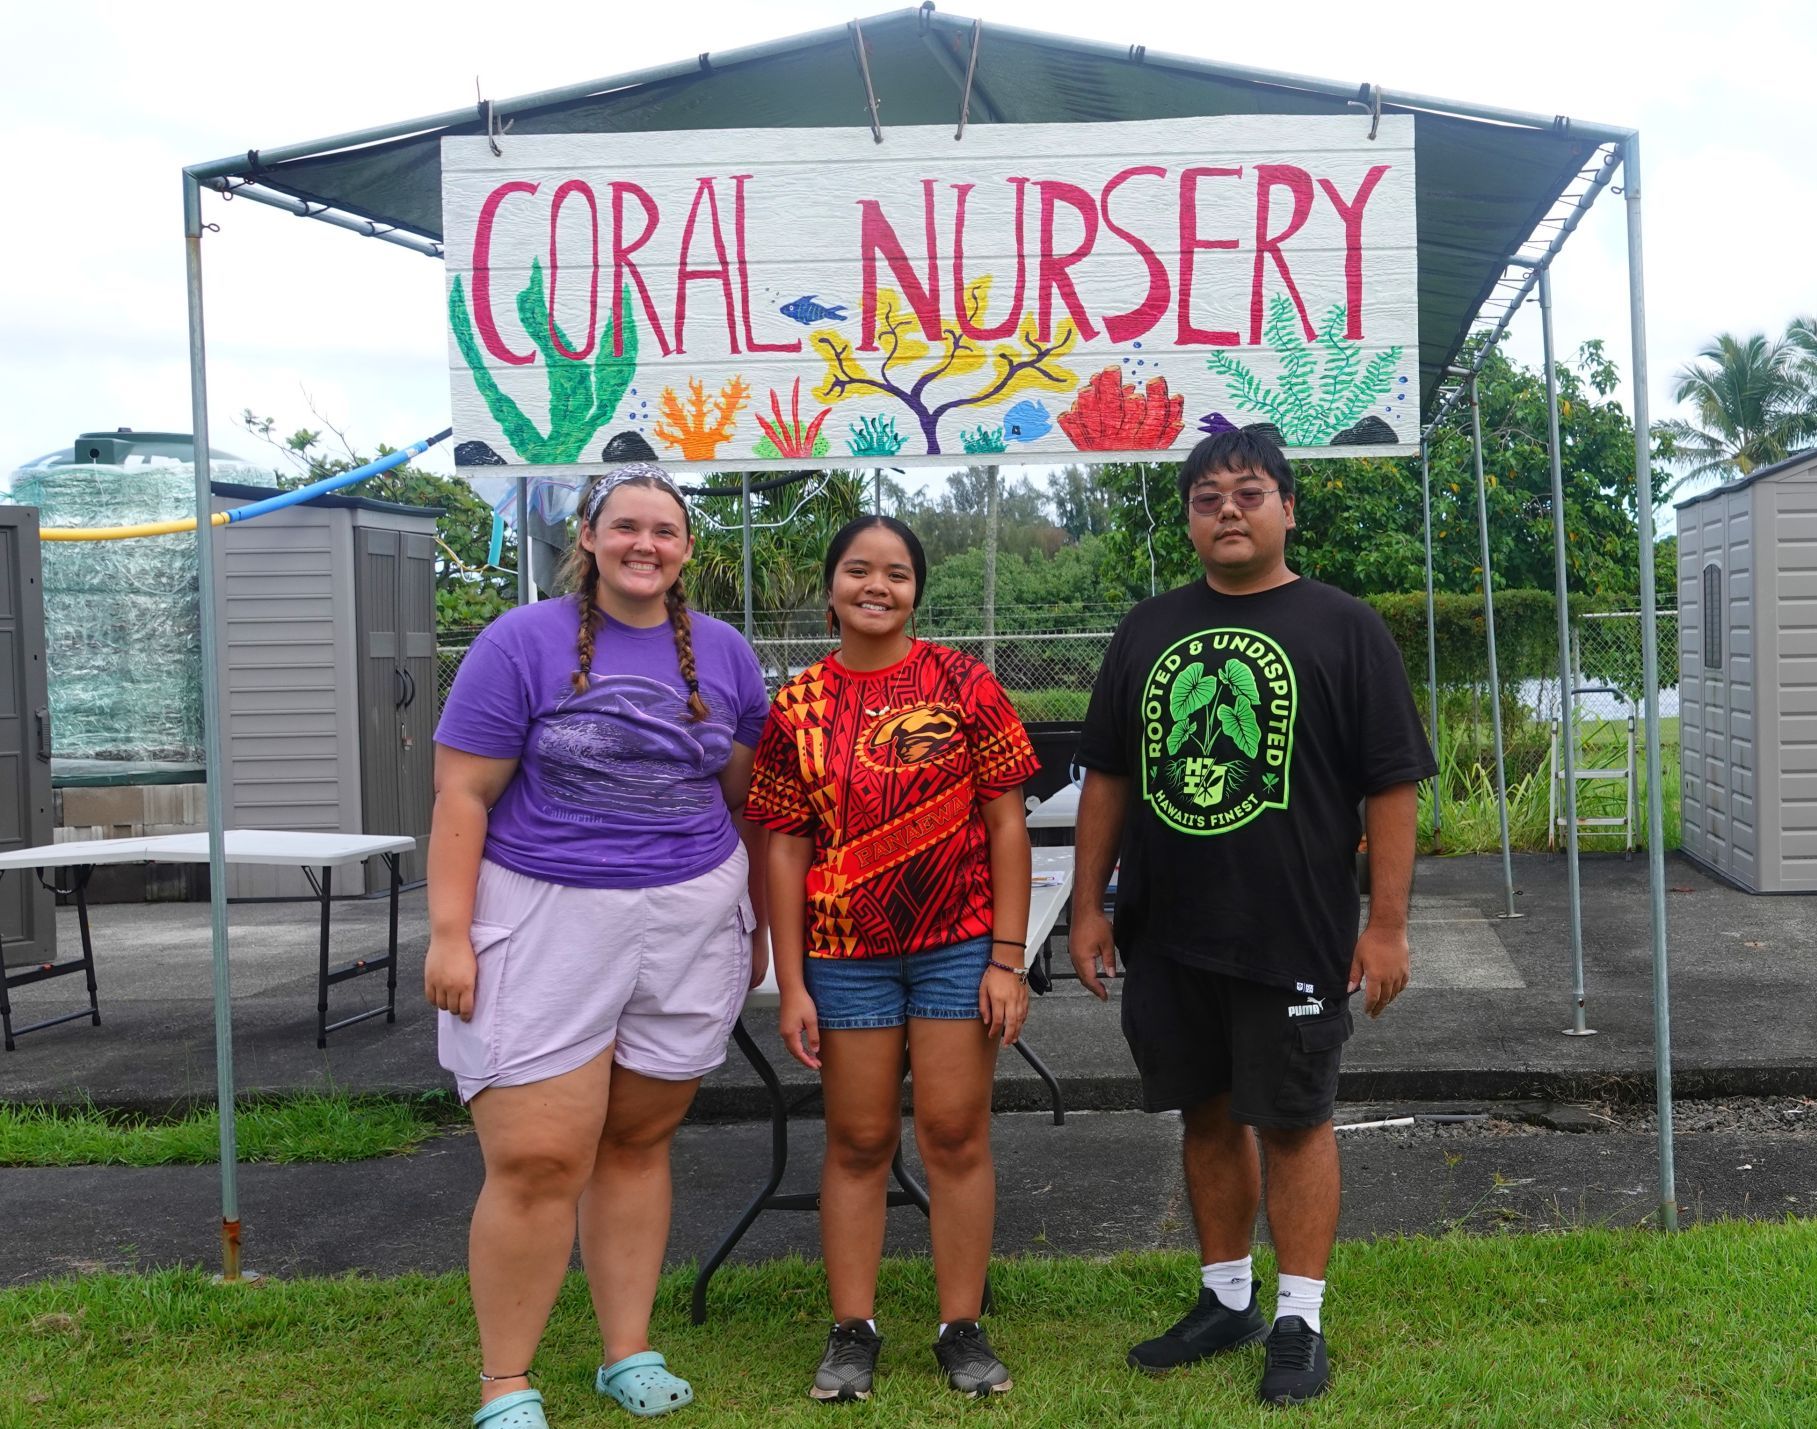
(1196,1035)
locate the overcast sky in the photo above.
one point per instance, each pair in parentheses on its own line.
(103,104)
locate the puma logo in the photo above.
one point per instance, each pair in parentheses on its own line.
(1312,1007)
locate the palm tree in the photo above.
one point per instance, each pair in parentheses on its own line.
(1755,402)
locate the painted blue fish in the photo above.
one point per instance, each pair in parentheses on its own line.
(808,310)
(1026,422)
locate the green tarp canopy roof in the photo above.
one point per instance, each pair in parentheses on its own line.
(1484,184)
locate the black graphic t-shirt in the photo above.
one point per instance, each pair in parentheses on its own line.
(1250,729)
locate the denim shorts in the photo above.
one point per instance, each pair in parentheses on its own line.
(939,983)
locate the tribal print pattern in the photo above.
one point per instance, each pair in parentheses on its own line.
(886,772)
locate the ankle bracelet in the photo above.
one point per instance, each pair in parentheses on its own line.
(485,1378)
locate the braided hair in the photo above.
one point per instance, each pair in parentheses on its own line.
(580,574)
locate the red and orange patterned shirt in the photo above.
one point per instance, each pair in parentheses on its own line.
(887,770)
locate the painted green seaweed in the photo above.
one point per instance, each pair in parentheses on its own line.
(983,439)
(583,393)
(1310,405)
(875,436)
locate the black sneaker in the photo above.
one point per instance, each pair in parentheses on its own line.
(1297,1368)
(970,1364)
(1207,1329)
(848,1364)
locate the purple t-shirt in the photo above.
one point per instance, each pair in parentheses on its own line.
(616,787)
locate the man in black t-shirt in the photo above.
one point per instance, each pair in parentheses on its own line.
(1235,728)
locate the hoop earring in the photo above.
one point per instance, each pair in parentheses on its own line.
(832,622)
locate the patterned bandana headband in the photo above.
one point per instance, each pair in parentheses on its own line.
(612,480)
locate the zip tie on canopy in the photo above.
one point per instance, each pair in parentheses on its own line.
(488,119)
(864,68)
(971,68)
(1369,99)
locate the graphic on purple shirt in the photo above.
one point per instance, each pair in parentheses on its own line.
(616,787)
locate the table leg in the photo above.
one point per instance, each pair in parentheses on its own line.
(86,963)
(88,946)
(326,891)
(1030,1056)
(397,882)
(779,1160)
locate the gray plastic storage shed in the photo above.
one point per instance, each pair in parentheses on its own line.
(1747,633)
(326,619)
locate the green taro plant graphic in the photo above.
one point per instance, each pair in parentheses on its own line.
(1309,406)
(1227,701)
(584,393)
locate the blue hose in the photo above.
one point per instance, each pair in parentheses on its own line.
(334,483)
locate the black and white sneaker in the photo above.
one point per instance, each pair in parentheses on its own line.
(1296,1368)
(970,1364)
(1209,1328)
(849,1363)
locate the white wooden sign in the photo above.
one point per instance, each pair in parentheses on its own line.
(755,299)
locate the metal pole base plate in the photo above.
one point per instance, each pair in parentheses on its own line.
(1579,1031)
(247,1277)
(1508,917)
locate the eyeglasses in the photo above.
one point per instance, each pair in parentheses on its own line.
(1244,498)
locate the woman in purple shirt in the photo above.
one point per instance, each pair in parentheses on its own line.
(592,934)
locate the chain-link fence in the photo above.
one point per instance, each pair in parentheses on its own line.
(1606,669)
(1048,674)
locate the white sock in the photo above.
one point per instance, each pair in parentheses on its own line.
(1230,1281)
(1300,1296)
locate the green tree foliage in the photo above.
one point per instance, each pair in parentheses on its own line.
(791,528)
(468,591)
(954,520)
(1754,402)
(1359,518)
(1034,591)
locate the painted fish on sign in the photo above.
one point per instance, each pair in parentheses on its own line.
(808,310)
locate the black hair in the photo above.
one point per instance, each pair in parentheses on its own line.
(848,533)
(1241,450)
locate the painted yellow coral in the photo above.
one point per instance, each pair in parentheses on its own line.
(688,429)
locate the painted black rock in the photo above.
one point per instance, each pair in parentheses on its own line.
(1371,431)
(627,446)
(1268,431)
(477,454)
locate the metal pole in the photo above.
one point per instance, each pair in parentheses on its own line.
(211,740)
(1495,678)
(1649,668)
(524,593)
(1567,706)
(990,568)
(1438,780)
(877,490)
(750,619)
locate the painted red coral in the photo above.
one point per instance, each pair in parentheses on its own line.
(1108,416)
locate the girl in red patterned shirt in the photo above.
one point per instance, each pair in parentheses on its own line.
(890,776)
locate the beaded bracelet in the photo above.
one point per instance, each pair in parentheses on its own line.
(1020,974)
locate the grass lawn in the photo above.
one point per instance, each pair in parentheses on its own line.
(302,1128)
(1709,1326)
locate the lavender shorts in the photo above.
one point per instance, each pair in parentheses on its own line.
(659,974)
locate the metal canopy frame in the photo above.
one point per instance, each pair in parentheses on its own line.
(259,175)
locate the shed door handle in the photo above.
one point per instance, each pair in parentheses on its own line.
(42,718)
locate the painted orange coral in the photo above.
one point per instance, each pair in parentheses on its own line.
(688,428)
(1108,416)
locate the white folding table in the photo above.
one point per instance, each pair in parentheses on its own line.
(1053,882)
(308,851)
(1060,810)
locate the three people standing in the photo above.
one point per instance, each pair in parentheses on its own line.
(592,941)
